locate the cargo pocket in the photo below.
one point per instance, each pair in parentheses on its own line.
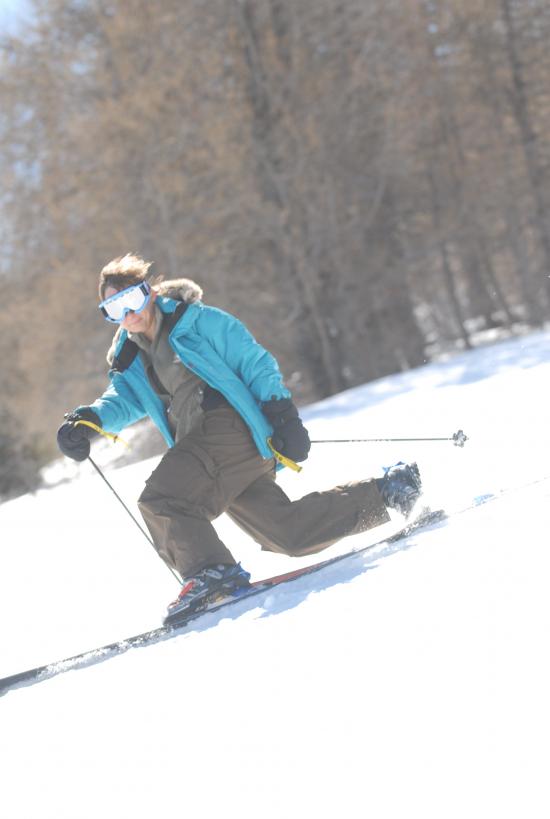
(188,477)
(196,451)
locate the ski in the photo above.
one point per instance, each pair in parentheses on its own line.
(180,623)
(182,618)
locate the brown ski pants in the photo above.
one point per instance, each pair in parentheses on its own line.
(217,468)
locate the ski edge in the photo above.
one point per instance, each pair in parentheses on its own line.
(171,628)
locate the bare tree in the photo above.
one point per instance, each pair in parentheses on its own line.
(361,182)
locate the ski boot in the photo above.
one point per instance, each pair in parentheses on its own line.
(210,584)
(400,487)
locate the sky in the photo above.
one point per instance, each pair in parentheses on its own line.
(11,13)
(410,681)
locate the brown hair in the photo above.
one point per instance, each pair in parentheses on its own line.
(122,272)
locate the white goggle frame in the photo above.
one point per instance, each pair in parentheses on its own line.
(130,300)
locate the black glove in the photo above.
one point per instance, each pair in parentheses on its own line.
(290,437)
(74,441)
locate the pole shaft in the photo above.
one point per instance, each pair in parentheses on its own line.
(373,440)
(139,526)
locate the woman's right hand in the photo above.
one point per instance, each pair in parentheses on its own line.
(73,439)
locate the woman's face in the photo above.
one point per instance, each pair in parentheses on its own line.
(143,322)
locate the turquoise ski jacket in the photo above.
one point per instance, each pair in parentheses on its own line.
(220,350)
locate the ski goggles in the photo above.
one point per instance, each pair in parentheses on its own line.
(130,300)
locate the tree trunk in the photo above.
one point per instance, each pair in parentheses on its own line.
(520,107)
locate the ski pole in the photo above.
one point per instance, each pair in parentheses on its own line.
(117,496)
(458,439)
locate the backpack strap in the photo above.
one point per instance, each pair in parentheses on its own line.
(172,319)
(128,352)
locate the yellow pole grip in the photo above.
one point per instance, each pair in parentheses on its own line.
(282,459)
(110,435)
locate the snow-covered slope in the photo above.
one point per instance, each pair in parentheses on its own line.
(403,683)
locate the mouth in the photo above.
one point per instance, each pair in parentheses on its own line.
(132,320)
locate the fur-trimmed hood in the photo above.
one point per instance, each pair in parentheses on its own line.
(184,290)
(179,289)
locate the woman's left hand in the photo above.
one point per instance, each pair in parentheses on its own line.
(290,437)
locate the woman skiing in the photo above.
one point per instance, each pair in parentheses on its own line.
(219,400)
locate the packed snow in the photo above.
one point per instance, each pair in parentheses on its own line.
(408,681)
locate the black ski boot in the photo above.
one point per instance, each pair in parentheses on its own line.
(401,487)
(205,587)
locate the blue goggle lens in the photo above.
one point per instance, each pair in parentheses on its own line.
(131,300)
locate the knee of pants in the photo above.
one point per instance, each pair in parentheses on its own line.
(146,499)
(152,504)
